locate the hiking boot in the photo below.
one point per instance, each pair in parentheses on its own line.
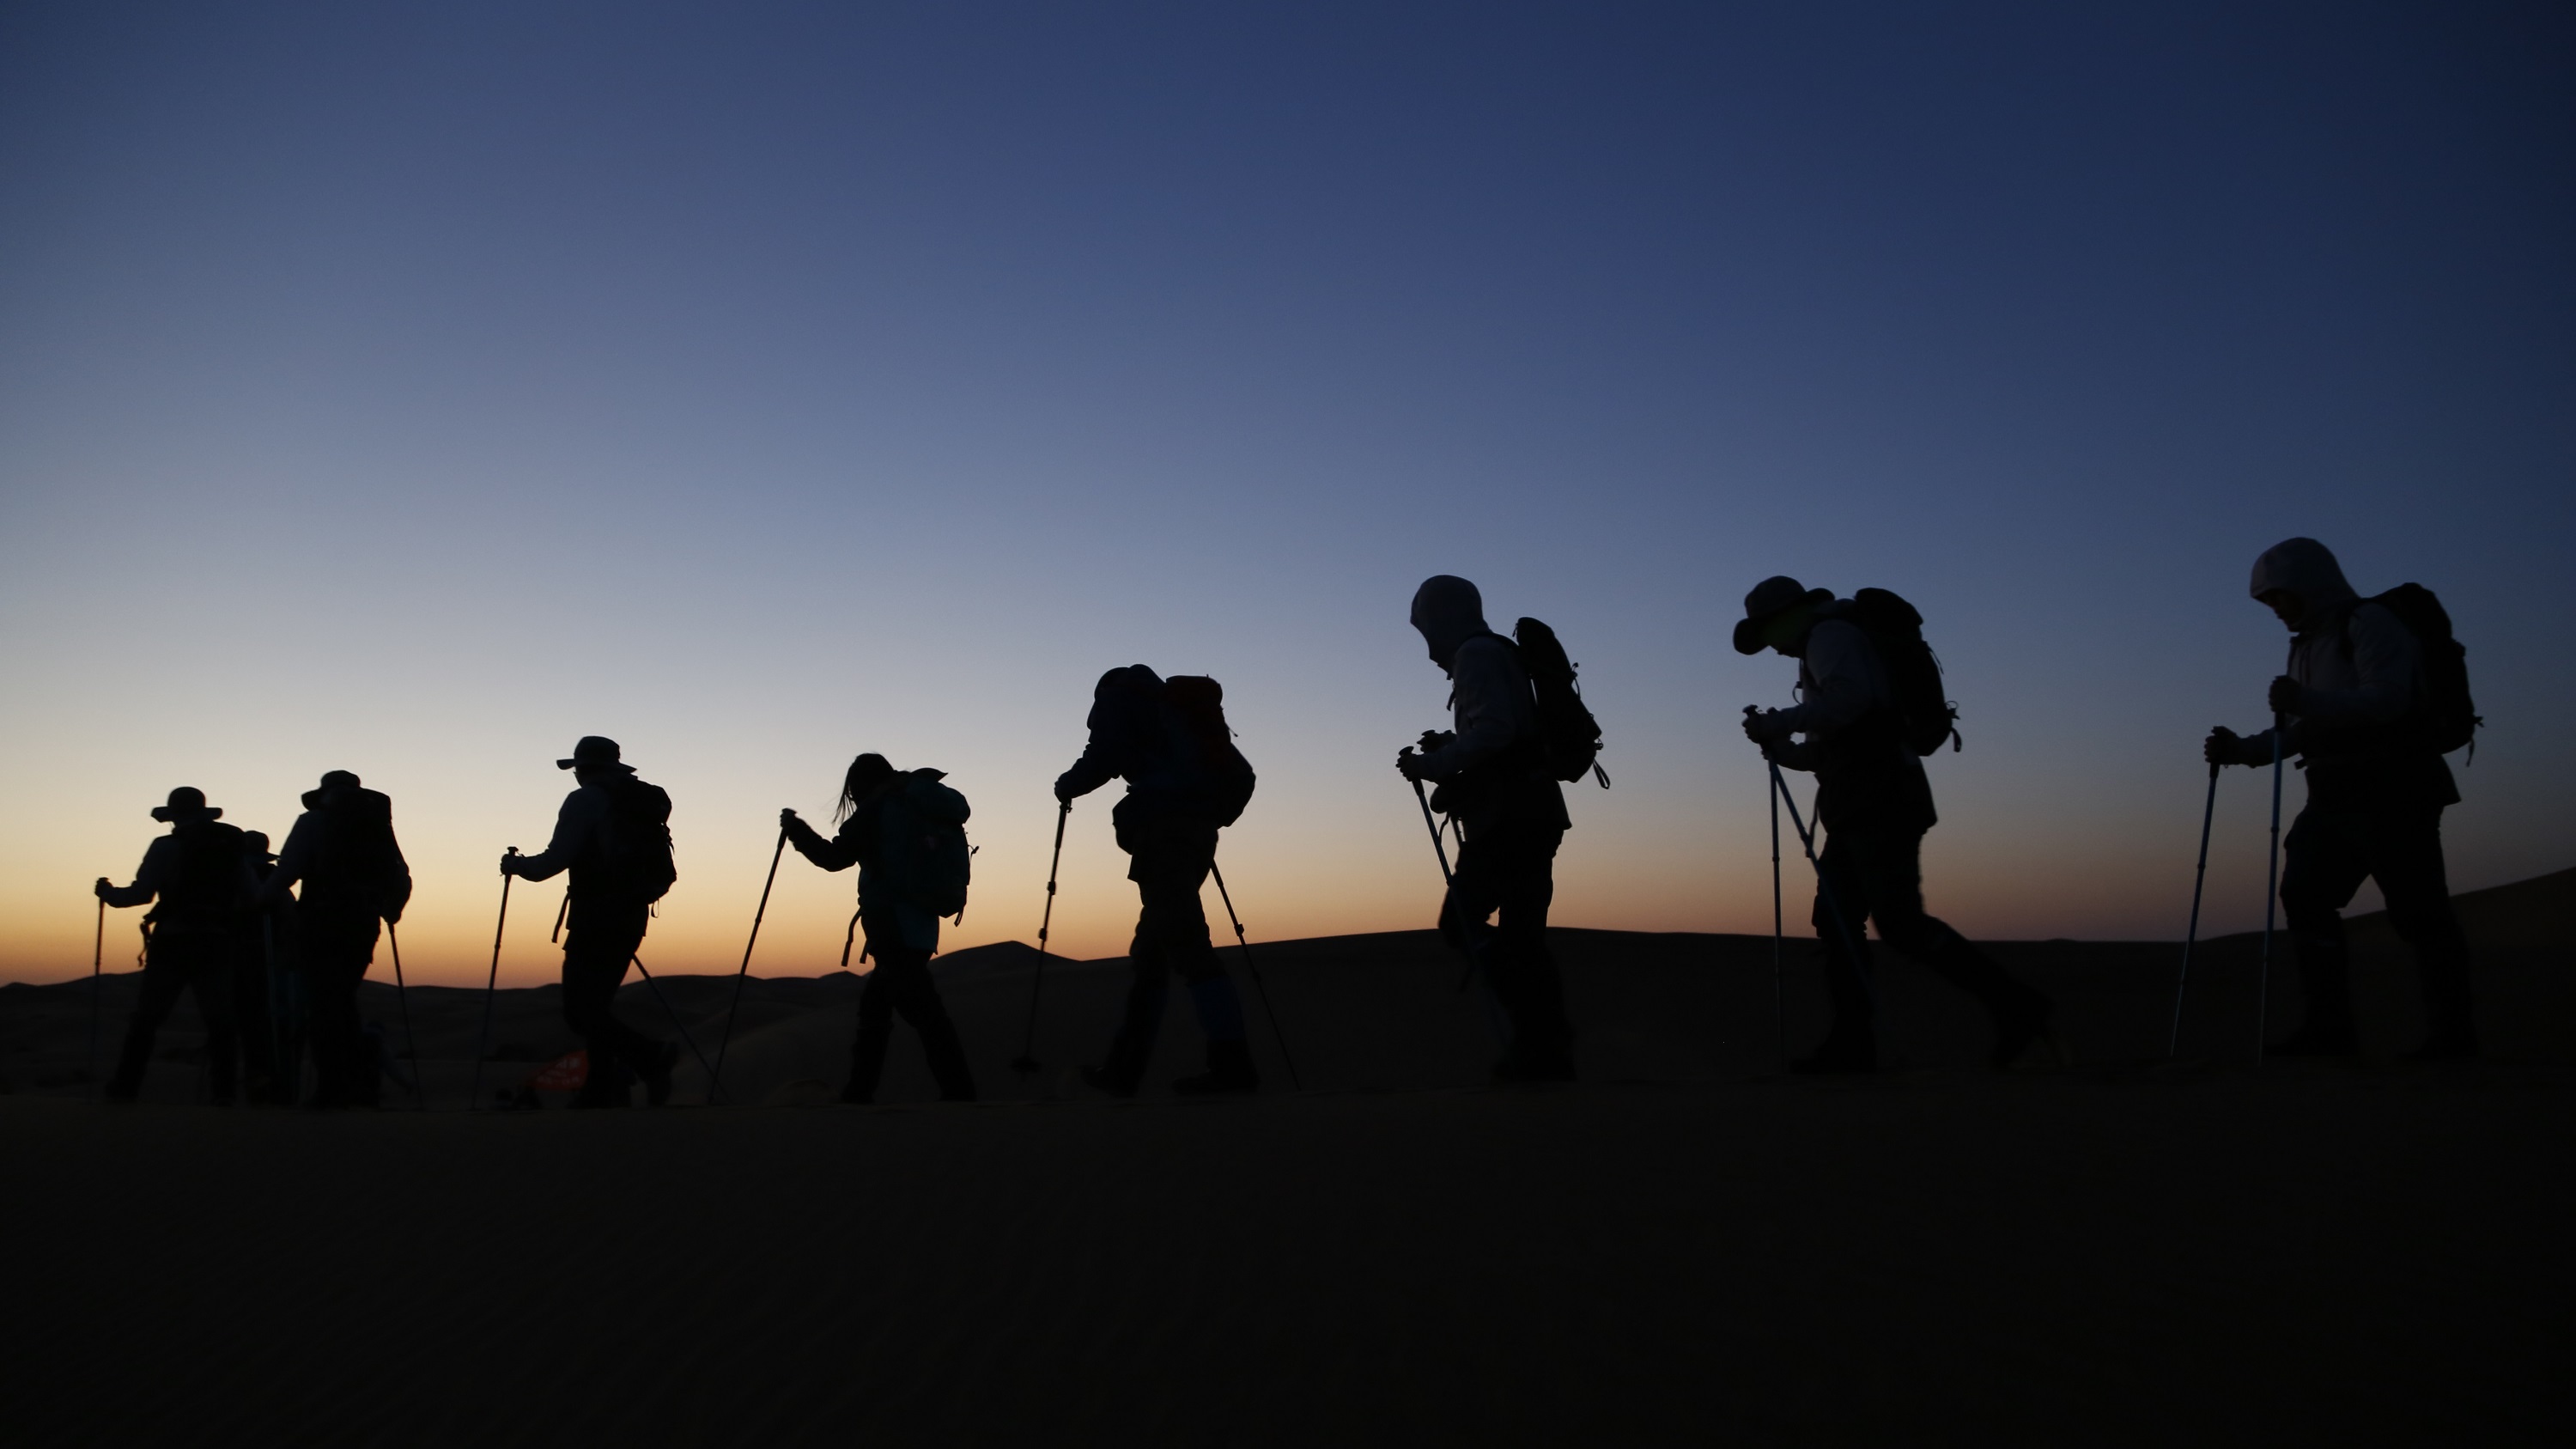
(1101,1079)
(2017,1033)
(121,1094)
(664,1058)
(2445,1047)
(854,1094)
(2317,1040)
(1229,1071)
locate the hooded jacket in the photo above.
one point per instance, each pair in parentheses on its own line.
(2360,673)
(1492,711)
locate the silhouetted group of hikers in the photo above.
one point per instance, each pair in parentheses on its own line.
(2375,694)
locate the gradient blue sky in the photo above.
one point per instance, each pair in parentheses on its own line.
(412,389)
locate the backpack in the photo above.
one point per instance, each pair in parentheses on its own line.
(356,862)
(635,841)
(933,861)
(1926,717)
(1569,737)
(2445,715)
(1225,776)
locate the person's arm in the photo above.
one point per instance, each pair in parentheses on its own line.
(148,878)
(1105,755)
(293,859)
(1842,680)
(838,853)
(1488,684)
(575,823)
(2387,661)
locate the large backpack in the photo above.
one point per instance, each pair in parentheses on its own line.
(1569,736)
(1225,776)
(933,862)
(635,841)
(1926,717)
(356,863)
(2444,713)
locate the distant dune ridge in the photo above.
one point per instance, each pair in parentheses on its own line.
(1383,1012)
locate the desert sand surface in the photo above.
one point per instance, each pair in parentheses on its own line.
(1685,1247)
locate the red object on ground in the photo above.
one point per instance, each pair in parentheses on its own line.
(564,1074)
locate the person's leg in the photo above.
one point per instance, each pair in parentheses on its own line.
(251,1016)
(165,977)
(1149,959)
(1476,890)
(2406,859)
(599,943)
(2324,860)
(917,998)
(1521,961)
(1890,865)
(1851,1044)
(337,953)
(876,1023)
(210,979)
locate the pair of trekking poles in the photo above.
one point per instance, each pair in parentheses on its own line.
(2271,905)
(1026,1063)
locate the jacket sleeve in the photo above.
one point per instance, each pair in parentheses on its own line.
(293,859)
(2387,661)
(1841,679)
(1104,758)
(148,878)
(838,853)
(1489,688)
(575,824)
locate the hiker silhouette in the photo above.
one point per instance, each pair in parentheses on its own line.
(2375,693)
(1852,731)
(1494,782)
(895,826)
(612,833)
(198,881)
(1185,782)
(342,850)
(259,985)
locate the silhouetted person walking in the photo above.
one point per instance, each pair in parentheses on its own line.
(897,827)
(1493,777)
(1185,782)
(342,851)
(255,980)
(2375,694)
(613,834)
(1875,805)
(199,883)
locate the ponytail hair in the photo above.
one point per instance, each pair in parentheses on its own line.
(868,773)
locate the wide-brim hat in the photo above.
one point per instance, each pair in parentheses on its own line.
(1770,599)
(594,752)
(186,803)
(334,780)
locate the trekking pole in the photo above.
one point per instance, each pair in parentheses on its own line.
(1027,1061)
(2271,897)
(1433,826)
(849,938)
(1779,1008)
(715,1078)
(402,996)
(676,1024)
(491,984)
(97,983)
(2200,873)
(1824,887)
(563,908)
(1257,983)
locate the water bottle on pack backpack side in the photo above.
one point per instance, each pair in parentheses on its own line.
(2444,715)
(1926,716)
(1568,734)
(635,841)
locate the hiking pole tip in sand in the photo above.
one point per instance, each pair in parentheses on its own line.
(97,982)
(402,997)
(491,983)
(1026,1062)
(677,1025)
(2199,874)
(1257,983)
(715,1078)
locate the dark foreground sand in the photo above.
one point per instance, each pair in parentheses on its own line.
(2151,1257)
(1687,1248)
